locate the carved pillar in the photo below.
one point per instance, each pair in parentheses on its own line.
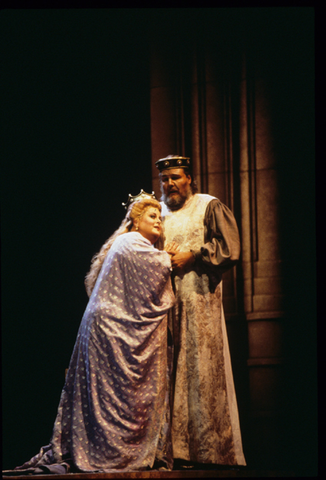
(261,262)
(169,103)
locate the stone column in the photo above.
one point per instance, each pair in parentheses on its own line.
(261,263)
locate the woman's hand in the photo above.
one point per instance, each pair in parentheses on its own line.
(171,248)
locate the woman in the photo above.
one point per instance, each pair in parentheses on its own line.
(113,412)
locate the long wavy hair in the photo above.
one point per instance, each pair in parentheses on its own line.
(135,210)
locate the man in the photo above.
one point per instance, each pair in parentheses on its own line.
(205,422)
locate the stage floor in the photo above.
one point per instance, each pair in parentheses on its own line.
(159,474)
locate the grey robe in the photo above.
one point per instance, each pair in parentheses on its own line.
(205,424)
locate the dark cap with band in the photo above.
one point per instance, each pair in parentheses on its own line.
(172,161)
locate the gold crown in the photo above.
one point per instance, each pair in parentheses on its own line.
(141,195)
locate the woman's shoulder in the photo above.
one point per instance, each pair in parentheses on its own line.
(130,240)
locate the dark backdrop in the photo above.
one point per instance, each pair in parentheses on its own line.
(75,142)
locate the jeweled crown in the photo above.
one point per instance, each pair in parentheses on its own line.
(141,195)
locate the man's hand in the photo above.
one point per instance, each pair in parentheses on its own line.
(182,260)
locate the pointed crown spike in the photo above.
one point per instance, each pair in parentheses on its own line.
(141,195)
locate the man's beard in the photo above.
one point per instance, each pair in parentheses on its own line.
(176,201)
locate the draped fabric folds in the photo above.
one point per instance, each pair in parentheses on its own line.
(113,412)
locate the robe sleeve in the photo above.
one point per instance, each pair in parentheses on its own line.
(146,275)
(151,268)
(222,241)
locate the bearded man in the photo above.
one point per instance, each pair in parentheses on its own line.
(205,421)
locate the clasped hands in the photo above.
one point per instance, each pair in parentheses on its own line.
(179,260)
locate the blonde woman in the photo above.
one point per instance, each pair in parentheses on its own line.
(113,412)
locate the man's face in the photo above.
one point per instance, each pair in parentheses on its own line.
(175,186)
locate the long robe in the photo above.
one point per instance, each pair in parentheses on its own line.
(205,422)
(113,412)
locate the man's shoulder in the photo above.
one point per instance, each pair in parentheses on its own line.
(204,197)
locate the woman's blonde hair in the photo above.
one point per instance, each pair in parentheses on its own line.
(135,210)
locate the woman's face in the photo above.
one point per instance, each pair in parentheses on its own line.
(150,224)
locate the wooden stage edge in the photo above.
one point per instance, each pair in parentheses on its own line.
(159,474)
